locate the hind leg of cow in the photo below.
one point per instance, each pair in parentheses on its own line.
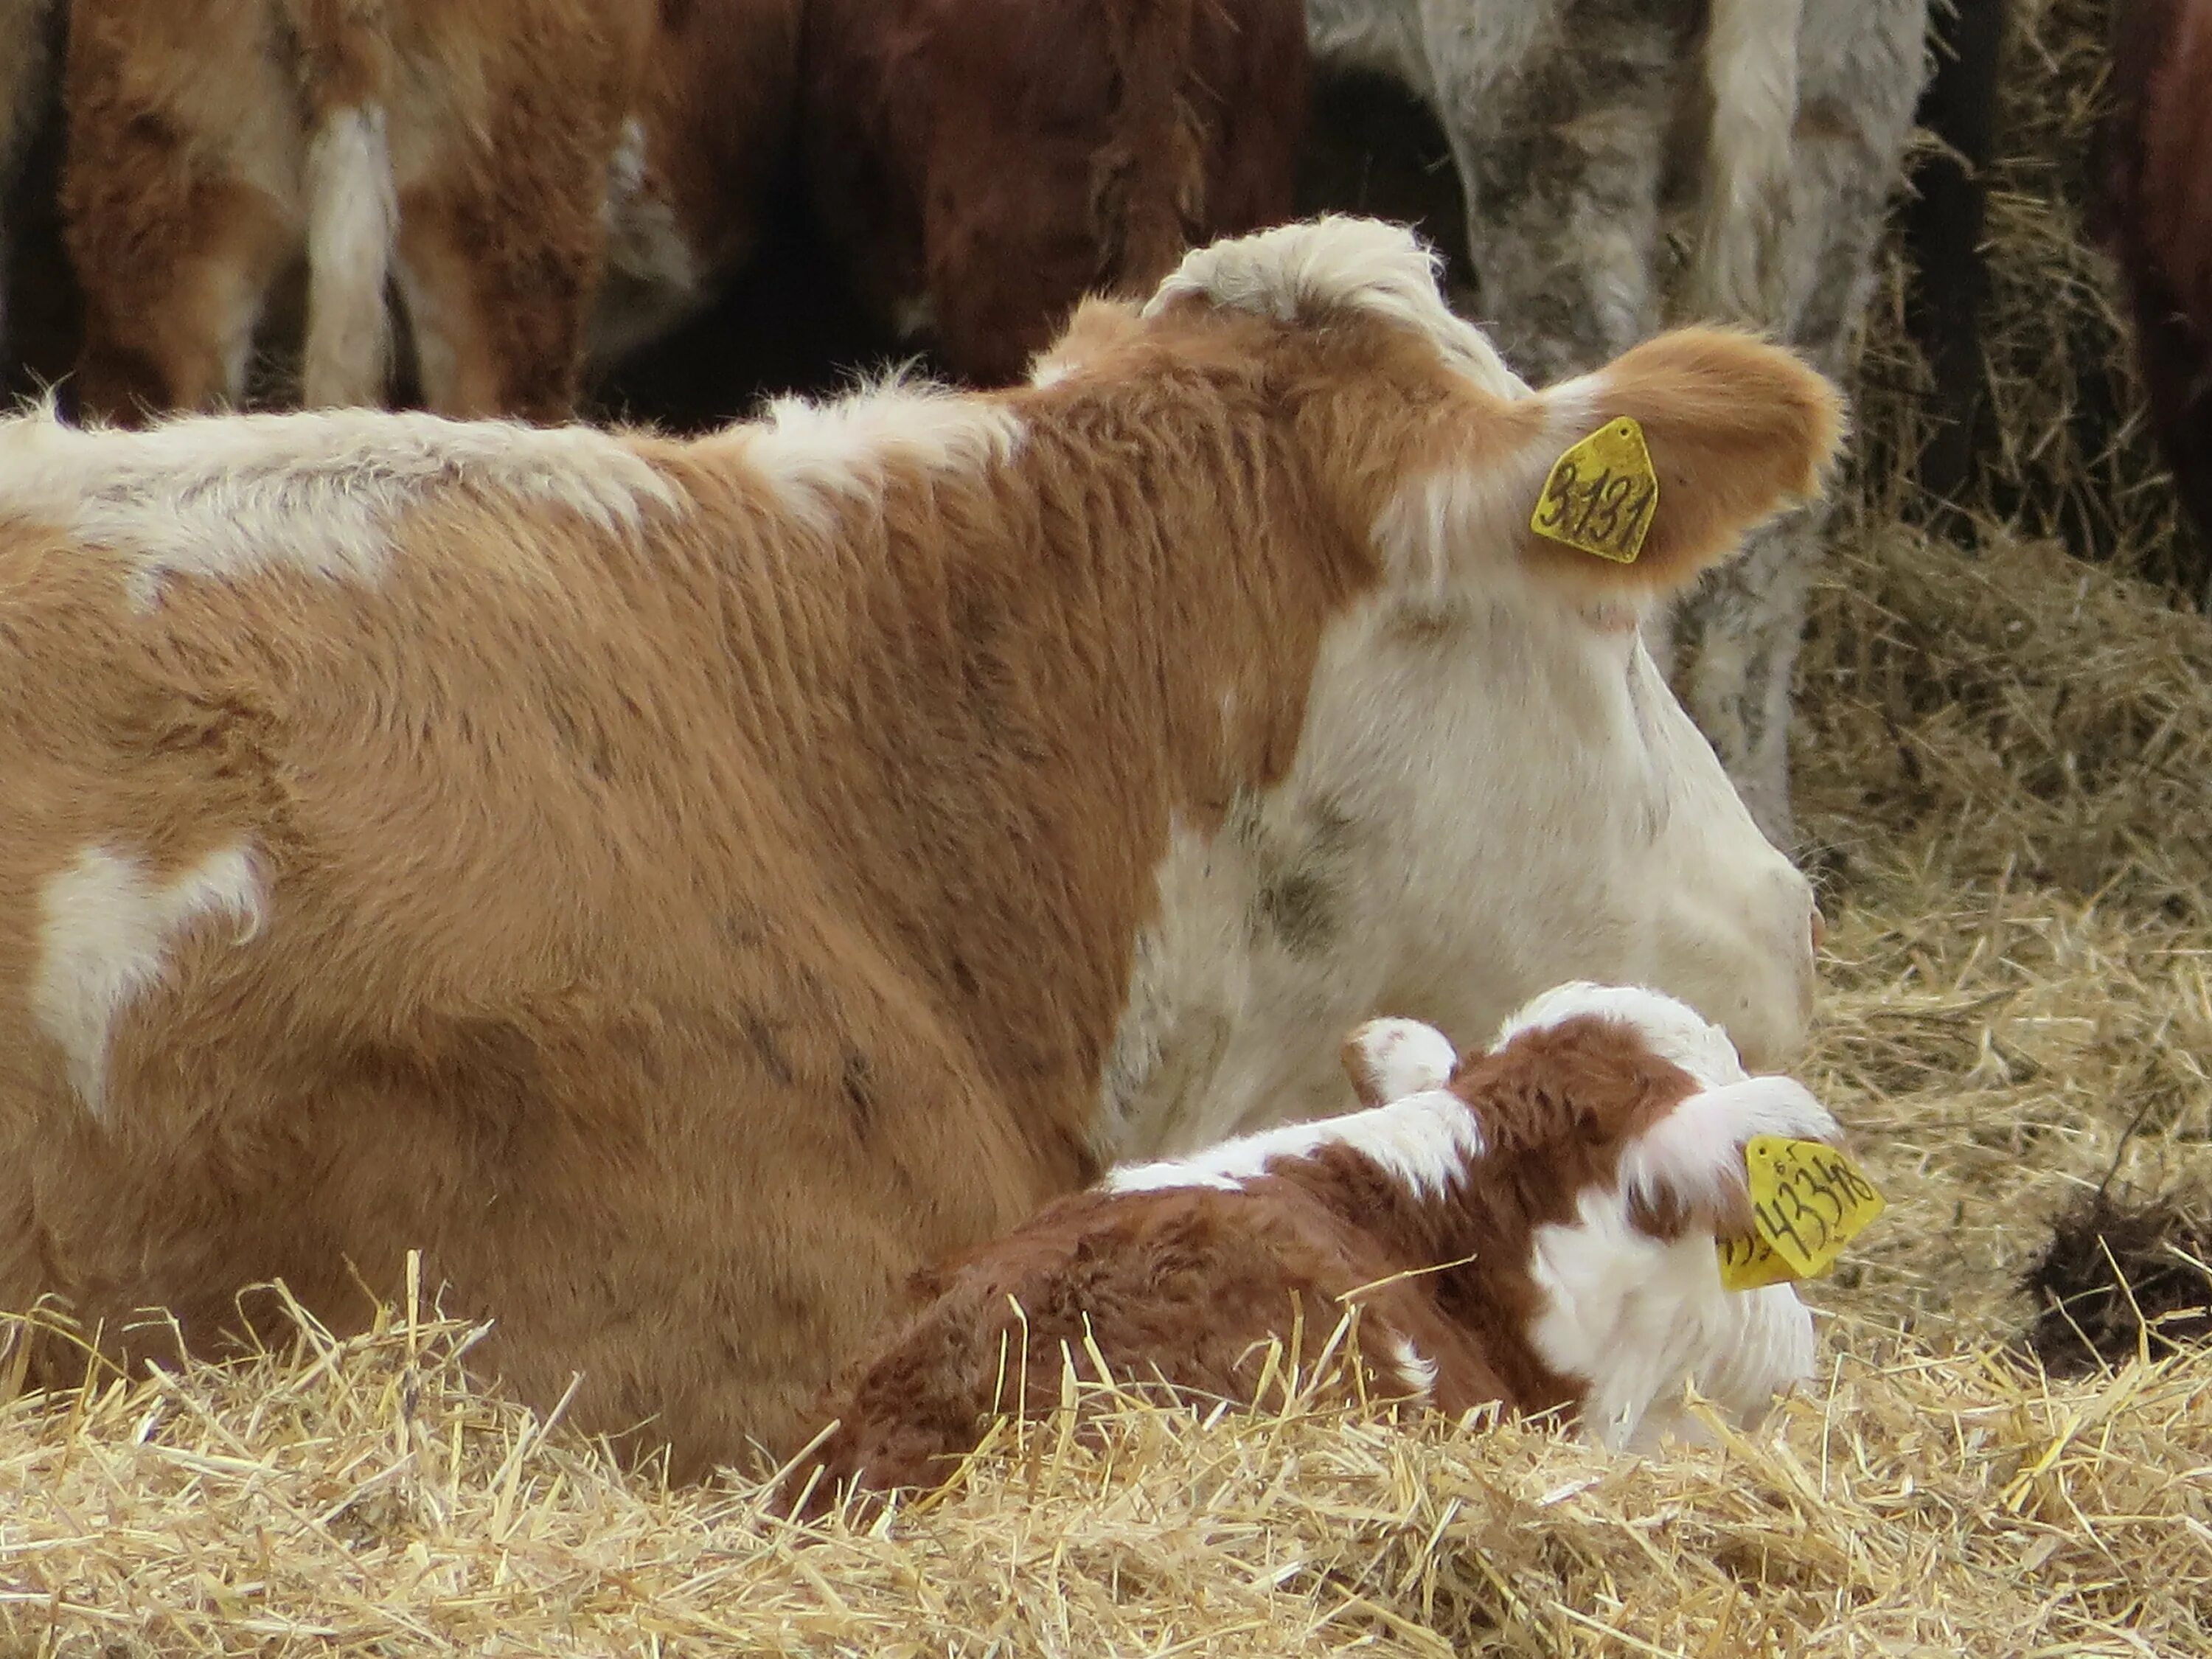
(1557,115)
(1735,640)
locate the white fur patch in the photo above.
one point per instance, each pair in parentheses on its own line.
(1399,1057)
(1414,1369)
(1638,1319)
(353,221)
(1695,1153)
(106,926)
(813,452)
(1424,1142)
(1340,262)
(226,496)
(1750,68)
(1672,1029)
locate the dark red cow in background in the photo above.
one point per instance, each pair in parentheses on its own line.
(2156,217)
(981,164)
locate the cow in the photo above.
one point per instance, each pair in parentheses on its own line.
(2153,211)
(684,886)
(980,165)
(701,159)
(1578,128)
(1534,1230)
(26,90)
(462,153)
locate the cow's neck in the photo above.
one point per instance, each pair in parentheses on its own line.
(1021,688)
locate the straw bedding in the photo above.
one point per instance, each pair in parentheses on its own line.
(2006,786)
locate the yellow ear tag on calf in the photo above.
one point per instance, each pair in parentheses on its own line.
(1601,493)
(1807,1202)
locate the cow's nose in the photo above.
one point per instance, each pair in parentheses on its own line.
(1820,927)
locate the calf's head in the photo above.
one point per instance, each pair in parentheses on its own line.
(1494,788)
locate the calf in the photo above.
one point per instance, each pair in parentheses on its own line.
(462,150)
(983,164)
(1533,1229)
(684,887)
(1585,138)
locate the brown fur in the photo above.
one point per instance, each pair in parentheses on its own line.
(1000,159)
(1718,455)
(183,189)
(679,936)
(2157,209)
(1187,1286)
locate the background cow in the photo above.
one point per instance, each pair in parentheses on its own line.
(463,152)
(683,888)
(982,164)
(2156,210)
(1534,1229)
(1582,131)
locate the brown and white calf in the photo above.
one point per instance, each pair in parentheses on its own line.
(1533,1229)
(460,151)
(685,887)
(1767,137)
(983,164)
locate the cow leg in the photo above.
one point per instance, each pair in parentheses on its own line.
(1735,640)
(499,260)
(1558,112)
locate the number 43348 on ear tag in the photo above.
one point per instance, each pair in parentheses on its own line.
(1807,1202)
(1601,493)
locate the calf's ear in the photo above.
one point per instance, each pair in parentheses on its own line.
(1735,431)
(1387,1059)
(1689,1162)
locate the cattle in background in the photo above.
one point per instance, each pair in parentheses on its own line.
(2156,216)
(685,888)
(700,168)
(26,86)
(1533,1229)
(1770,132)
(980,165)
(460,152)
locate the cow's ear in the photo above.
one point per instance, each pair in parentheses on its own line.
(1672,454)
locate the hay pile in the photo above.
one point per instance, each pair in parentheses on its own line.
(358,1497)
(2063,449)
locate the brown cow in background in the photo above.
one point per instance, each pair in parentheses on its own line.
(981,164)
(460,151)
(2157,219)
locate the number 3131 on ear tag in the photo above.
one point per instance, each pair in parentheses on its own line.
(1601,493)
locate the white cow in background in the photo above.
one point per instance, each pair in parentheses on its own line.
(1768,133)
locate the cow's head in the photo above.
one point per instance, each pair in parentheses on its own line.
(1512,796)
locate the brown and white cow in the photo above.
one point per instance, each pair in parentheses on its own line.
(684,887)
(984,164)
(1533,1229)
(1769,134)
(460,151)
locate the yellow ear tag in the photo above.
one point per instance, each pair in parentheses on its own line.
(1807,1202)
(1601,493)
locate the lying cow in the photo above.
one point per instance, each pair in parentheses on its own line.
(685,887)
(1534,1229)
(461,151)
(1592,137)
